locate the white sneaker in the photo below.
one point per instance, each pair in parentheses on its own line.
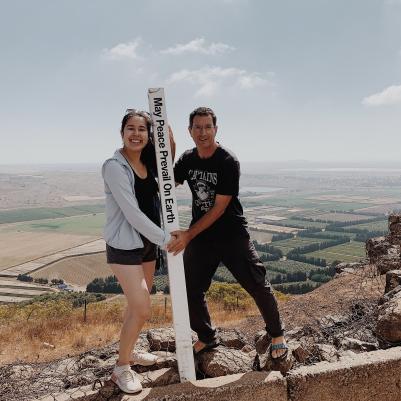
(126,379)
(144,358)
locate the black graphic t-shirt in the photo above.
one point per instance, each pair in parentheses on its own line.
(216,175)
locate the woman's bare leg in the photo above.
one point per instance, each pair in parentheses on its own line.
(133,282)
(148,271)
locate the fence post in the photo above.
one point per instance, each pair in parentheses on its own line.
(85,310)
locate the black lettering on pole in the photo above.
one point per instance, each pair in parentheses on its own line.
(167,189)
(169,202)
(161,138)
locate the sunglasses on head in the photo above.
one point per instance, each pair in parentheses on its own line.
(136,111)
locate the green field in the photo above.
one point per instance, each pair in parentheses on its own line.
(340,234)
(286,245)
(222,275)
(291,222)
(41,213)
(83,225)
(349,252)
(300,201)
(289,266)
(291,283)
(373,226)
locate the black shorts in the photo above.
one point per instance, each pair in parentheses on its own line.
(132,256)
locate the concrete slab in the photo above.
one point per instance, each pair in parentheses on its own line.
(255,386)
(369,376)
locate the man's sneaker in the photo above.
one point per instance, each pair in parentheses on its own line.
(144,358)
(126,379)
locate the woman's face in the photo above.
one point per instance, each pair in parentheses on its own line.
(135,134)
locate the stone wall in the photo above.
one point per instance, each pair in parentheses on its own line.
(370,376)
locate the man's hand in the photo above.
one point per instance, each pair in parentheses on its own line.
(181,240)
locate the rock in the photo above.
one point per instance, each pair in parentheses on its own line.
(393,280)
(390,261)
(252,354)
(88,361)
(166,360)
(296,333)
(67,367)
(331,323)
(388,327)
(389,295)
(223,361)
(264,361)
(161,339)
(106,352)
(259,335)
(394,225)
(298,351)
(19,372)
(327,352)
(232,338)
(348,267)
(262,342)
(142,345)
(165,354)
(83,379)
(160,377)
(376,248)
(348,354)
(247,349)
(354,344)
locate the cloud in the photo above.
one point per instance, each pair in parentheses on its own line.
(198,46)
(211,79)
(123,51)
(390,95)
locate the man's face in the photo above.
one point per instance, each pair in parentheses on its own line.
(203,132)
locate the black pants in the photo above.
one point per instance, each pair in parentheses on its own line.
(201,259)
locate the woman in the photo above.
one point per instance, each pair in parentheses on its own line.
(132,233)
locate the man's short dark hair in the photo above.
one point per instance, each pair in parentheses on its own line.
(202,111)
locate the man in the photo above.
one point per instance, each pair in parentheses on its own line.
(218,233)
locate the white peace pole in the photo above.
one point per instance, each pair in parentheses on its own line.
(178,292)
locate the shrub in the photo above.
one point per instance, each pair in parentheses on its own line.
(41,280)
(231,296)
(24,277)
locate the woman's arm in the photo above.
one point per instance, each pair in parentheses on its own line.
(116,178)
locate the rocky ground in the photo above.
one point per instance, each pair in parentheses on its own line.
(358,311)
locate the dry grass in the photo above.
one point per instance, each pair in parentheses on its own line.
(20,247)
(50,330)
(79,270)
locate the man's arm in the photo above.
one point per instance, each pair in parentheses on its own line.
(184,236)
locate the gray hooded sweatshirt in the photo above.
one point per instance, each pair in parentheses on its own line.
(124,220)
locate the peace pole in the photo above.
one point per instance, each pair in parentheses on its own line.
(178,292)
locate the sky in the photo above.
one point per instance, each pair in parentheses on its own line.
(315,80)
